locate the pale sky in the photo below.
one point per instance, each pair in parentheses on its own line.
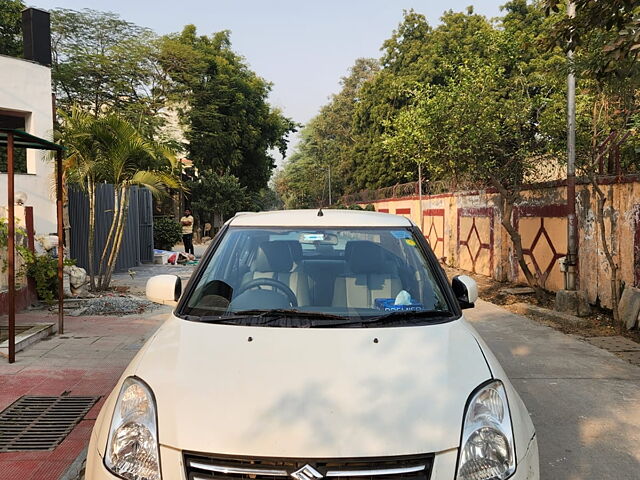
(303,47)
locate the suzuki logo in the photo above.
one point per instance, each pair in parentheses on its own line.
(307,473)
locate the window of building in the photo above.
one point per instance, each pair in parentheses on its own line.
(20,154)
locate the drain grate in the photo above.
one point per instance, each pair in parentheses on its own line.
(41,423)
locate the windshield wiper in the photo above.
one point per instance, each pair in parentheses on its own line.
(392,317)
(269,317)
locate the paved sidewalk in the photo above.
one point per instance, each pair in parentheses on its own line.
(584,401)
(137,282)
(87,360)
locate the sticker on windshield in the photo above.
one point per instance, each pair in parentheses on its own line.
(401,234)
(313,237)
(410,241)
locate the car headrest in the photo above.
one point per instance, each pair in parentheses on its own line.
(296,249)
(364,256)
(273,257)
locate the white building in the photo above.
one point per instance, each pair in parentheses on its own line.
(26,103)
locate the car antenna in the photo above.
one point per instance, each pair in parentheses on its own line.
(320,214)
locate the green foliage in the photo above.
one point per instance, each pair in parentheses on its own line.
(222,194)
(267,199)
(231,126)
(469,100)
(326,142)
(11,27)
(104,63)
(110,149)
(618,19)
(43,269)
(166,233)
(20,240)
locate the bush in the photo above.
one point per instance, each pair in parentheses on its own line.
(166,233)
(43,269)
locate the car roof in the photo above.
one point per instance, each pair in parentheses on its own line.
(311,218)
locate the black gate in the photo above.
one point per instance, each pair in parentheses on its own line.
(137,241)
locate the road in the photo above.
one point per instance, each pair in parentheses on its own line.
(584,401)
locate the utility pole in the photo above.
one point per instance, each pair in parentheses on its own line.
(329,184)
(571,300)
(420,197)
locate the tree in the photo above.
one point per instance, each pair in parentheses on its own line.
(619,18)
(126,159)
(480,126)
(415,55)
(326,143)
(105,64)
(11,27)
(110,149)
(230,125)
(81,168)
(302,183)
(217,194)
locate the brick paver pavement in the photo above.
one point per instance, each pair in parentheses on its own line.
(87,360)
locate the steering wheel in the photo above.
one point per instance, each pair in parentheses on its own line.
(270,282)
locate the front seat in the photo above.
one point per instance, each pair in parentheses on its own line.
(369,275)
(275,260)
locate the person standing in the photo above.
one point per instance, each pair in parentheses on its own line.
(187,231)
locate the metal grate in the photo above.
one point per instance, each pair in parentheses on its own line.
(221,467)
(41,423)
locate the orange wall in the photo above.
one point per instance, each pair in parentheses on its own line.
(464,229)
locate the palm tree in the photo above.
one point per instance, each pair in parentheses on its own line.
(109,149)
(80,167)
(126,159)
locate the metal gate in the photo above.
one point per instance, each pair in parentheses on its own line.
(145,223)
(135,248)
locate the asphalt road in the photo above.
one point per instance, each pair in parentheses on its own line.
(584,401)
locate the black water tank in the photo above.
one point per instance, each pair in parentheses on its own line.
(36,33)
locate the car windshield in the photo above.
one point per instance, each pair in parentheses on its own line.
(315,277)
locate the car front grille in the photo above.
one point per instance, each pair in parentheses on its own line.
(220,467)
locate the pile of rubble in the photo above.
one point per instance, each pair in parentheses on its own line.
(108,305)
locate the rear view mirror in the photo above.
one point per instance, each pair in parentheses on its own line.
(164,289)
(319,238)
(465,289)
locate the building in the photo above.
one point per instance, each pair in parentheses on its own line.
(26,103)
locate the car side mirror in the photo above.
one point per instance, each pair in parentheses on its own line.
(164,289)
(465,289)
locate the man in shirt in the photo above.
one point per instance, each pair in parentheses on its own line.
(187,231)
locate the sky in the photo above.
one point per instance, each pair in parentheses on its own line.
(303,47)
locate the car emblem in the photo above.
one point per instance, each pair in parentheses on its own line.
(307,473)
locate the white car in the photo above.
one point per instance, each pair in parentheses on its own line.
(315,344)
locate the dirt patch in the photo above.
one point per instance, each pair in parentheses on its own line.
(600,322)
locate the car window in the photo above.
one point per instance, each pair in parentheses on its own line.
(347,272)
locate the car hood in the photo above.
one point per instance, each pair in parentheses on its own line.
(294,392)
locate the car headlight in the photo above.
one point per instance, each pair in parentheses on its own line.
(132,448)
(487,451)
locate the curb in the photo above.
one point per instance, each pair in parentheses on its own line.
(559,317)
(76,469)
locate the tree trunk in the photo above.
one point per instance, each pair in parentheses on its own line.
(108,246)
(117,242)
(507,201)
(613,266)
(91,189)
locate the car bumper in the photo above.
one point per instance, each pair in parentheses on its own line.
(444,467)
